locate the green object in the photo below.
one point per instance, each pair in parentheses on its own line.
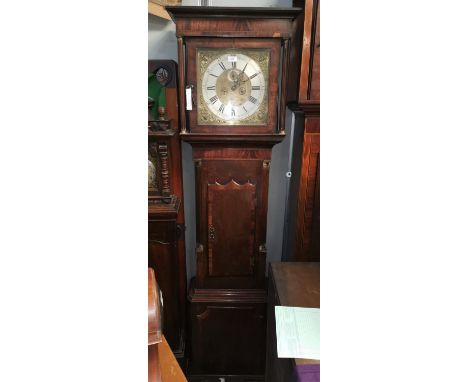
(154,91)
(162,97)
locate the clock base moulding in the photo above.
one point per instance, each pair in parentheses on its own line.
(228,332)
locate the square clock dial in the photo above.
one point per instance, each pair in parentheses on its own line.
(232,86)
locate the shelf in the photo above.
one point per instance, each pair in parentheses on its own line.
(161,134)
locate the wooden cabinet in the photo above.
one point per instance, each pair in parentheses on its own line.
(166,249)
(307,233)
(303,236)
(154,329)
(290,284)
(163,242)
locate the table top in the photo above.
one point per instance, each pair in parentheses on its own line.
(170,369)
(297,284)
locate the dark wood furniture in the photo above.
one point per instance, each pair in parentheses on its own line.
(166,249)
(170,368)
(303,237)
(227,298)
(154,329)
(290,284)
(162,365)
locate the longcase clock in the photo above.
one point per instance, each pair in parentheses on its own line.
(233,69)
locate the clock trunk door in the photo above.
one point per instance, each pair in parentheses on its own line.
(231,229)
(232,198)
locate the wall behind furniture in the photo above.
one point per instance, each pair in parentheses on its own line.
(162,41)
(162,44)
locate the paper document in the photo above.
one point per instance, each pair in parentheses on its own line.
(297,332)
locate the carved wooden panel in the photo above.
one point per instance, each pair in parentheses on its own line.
(231,228)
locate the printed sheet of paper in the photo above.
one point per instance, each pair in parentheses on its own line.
(298,332)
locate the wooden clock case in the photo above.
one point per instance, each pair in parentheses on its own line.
(227,298)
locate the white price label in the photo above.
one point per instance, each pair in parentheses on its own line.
(188,98)
(232,58)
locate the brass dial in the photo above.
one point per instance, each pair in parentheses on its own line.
(233,86)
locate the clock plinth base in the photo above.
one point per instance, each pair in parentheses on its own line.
(228,331)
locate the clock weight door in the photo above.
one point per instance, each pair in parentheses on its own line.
(232,198)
